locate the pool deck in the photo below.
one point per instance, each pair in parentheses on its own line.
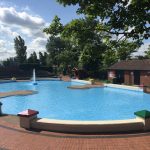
(15,138)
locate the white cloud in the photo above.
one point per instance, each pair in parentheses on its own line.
(2,43)
(6,54)
(142,49)
(30,25)
(23,23)
(5,30)
(37,45)
(10,15)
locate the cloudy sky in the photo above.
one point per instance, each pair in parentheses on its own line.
(28,18)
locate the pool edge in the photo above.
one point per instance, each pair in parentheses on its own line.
(129,125)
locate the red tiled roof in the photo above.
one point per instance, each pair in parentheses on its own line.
(131,65)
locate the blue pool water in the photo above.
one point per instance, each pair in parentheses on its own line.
(56,101)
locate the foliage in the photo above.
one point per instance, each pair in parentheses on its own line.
(33,58)
(29,66)
(55,27)
(117,51)
(54,46)
(129,17)
(91,58)
(81,45)
(83,36)
(43,58)
(147,53)
(19,45)
(9,62)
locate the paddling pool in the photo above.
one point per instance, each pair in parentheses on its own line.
(55,101)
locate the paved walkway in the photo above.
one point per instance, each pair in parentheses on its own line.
(12,137)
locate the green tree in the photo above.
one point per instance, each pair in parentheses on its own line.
(109,58)
(147,53)
(125,49)
(9,62)
(33,58)
(54,46)
(68,58)
(117,51)
(55,27)
(19,45)
(91,58)
(124,17)
(43,58)
(88,42)
(81,31)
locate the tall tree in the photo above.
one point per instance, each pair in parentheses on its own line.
(43,58)
(19,45)
(55,27)
(121,17)
(33,58)
(83,35)
(9,62)
(54,46)
(91,58)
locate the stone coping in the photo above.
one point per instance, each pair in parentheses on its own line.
(44,79)
(81,81)
(41,79)
(28,80)
(79,122)
(126,87)
(17,93)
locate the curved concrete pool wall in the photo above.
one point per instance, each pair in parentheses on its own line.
(29,120)
(88,126)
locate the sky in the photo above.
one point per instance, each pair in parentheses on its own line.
(27,18)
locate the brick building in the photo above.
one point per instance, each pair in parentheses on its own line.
(130,72)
